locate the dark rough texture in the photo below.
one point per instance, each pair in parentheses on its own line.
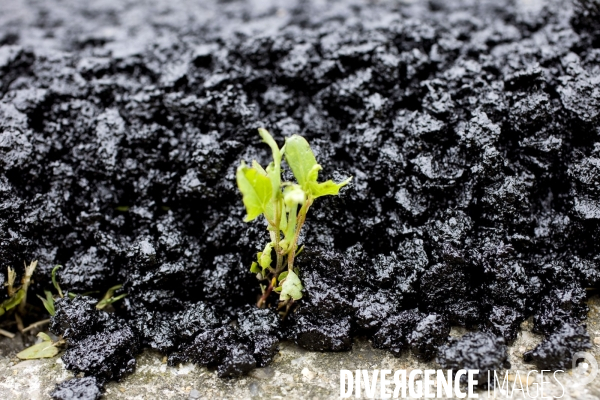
(222,347)
(233,350)
(108,354)
(76,318)
(557,350)
(263,328)
(429,333)
(475,350)
(470,129)
(322,334)
(504,322)
(394,332)
(86,388)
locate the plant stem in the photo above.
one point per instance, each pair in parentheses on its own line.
(265,296)
(8,334)
(36,324)
(300,223)
(287,309)
(20,326)
(278,238)
(25,284)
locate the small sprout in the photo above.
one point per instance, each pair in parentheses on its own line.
(48,302)
(284,206)
(29,269)
(17,296)
(55,283)
(46,349)
(110,297)
(12,301)
(12,276)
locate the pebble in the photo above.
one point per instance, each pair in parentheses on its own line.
(254,389)
(308,374)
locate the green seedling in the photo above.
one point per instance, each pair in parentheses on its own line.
(17,296)
(284,206)
(108,298)
(49,300)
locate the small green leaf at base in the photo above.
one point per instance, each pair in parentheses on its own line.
(291,287)
(282,276)
(110,297)
(44,336)
(264,258)
(45,349)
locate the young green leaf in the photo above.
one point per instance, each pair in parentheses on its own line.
(48,302)
(329,188)
(300,158)
(291,287)
(282,276)
(109,297)
(254,268)
(265,256)
(103,303)
(268,139)
(256,191)
(12,301)
(55,283)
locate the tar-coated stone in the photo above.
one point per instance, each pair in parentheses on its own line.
(475,350)
(504,322)
(263,328)
(195,318)
(220,347)
(323,334)
(108,354)
(77,318)
(556,351)
(86,388)
(429,333)
(393,333)
(254,320)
